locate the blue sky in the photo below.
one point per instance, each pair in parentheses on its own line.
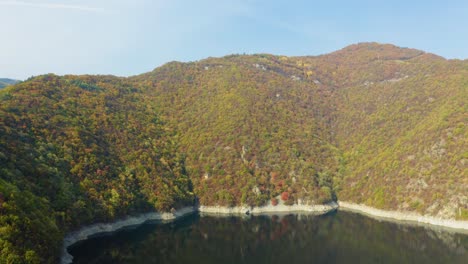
(127,37)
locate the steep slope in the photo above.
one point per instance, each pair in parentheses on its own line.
(252,129)
(78,150)
(405,140)
(401,118)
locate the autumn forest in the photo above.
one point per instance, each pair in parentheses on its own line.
(372,124)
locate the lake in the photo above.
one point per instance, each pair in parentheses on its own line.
(338,237)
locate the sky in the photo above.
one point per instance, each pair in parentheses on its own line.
(128,37)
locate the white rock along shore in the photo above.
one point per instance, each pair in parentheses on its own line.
(94,229)
(408,217)
(280,208)
(458,226)
(88,231)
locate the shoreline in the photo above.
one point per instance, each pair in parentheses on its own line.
(405,217)
(268,209)
(89,231)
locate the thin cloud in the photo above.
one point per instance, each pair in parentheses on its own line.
(53,6)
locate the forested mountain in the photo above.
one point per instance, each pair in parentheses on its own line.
(371,123)
(251,129)
(5,82)
(79,150)
(404,136)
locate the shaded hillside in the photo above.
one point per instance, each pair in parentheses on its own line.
(79,150)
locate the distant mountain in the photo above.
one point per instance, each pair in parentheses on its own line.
(374,124)
(5,82)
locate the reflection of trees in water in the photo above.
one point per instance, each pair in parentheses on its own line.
(402,241)
(453,241)
(337,238)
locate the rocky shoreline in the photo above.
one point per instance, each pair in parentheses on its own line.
(408,217)
(267,209)
(91,230)
(94,229)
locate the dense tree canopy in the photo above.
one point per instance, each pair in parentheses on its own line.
(77,150)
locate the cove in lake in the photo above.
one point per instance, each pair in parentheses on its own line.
(338,237)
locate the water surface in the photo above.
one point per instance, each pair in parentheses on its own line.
(338,237)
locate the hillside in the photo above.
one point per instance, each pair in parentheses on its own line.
(250,131)
(401,118)
(371,123)
(405,139)
(79,150)
(5,82)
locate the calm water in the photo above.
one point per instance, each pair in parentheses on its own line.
(334,238)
